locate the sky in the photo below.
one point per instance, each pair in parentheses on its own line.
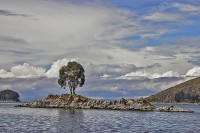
(129,48)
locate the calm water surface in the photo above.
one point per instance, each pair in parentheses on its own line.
(36,120)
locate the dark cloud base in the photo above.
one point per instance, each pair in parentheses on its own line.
(9,13)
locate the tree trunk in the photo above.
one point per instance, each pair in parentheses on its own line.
(74,90)
(71,90)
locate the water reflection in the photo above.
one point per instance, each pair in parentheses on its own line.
(69,120)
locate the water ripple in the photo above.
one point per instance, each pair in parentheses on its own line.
(34,120)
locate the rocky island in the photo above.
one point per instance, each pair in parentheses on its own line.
(80,102)
(9,96)
(73,75)
(72,101)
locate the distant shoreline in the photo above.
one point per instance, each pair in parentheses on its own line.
(175,103)
(9,101)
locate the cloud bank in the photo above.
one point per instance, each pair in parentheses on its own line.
(122,81)
(139,74)
(125,71)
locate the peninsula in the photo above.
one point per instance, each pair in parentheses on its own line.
(186,92)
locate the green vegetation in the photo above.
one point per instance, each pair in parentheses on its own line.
(9,95)
(72,75)
(187,92)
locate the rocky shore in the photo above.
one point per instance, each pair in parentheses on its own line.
(172,109)
(79,102)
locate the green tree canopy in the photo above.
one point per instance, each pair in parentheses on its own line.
(71,75)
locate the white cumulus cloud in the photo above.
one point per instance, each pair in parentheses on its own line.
(105,76)
(55,67)
(27,71)
(116,71)
(170,74)
(5,74)
(194,72)
(23,71)
(142,75)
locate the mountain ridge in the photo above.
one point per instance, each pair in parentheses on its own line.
(186,92)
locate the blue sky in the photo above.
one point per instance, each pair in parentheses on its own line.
(129,48)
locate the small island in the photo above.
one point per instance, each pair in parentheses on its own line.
(9,96)
(80,102)
(73,101)
(73,76)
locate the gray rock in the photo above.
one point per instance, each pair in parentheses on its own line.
(172,109)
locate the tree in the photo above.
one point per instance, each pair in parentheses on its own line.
(71,75)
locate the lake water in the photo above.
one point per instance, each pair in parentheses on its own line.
(36,120)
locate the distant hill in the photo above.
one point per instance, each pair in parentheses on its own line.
(187,92)
(9,95)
